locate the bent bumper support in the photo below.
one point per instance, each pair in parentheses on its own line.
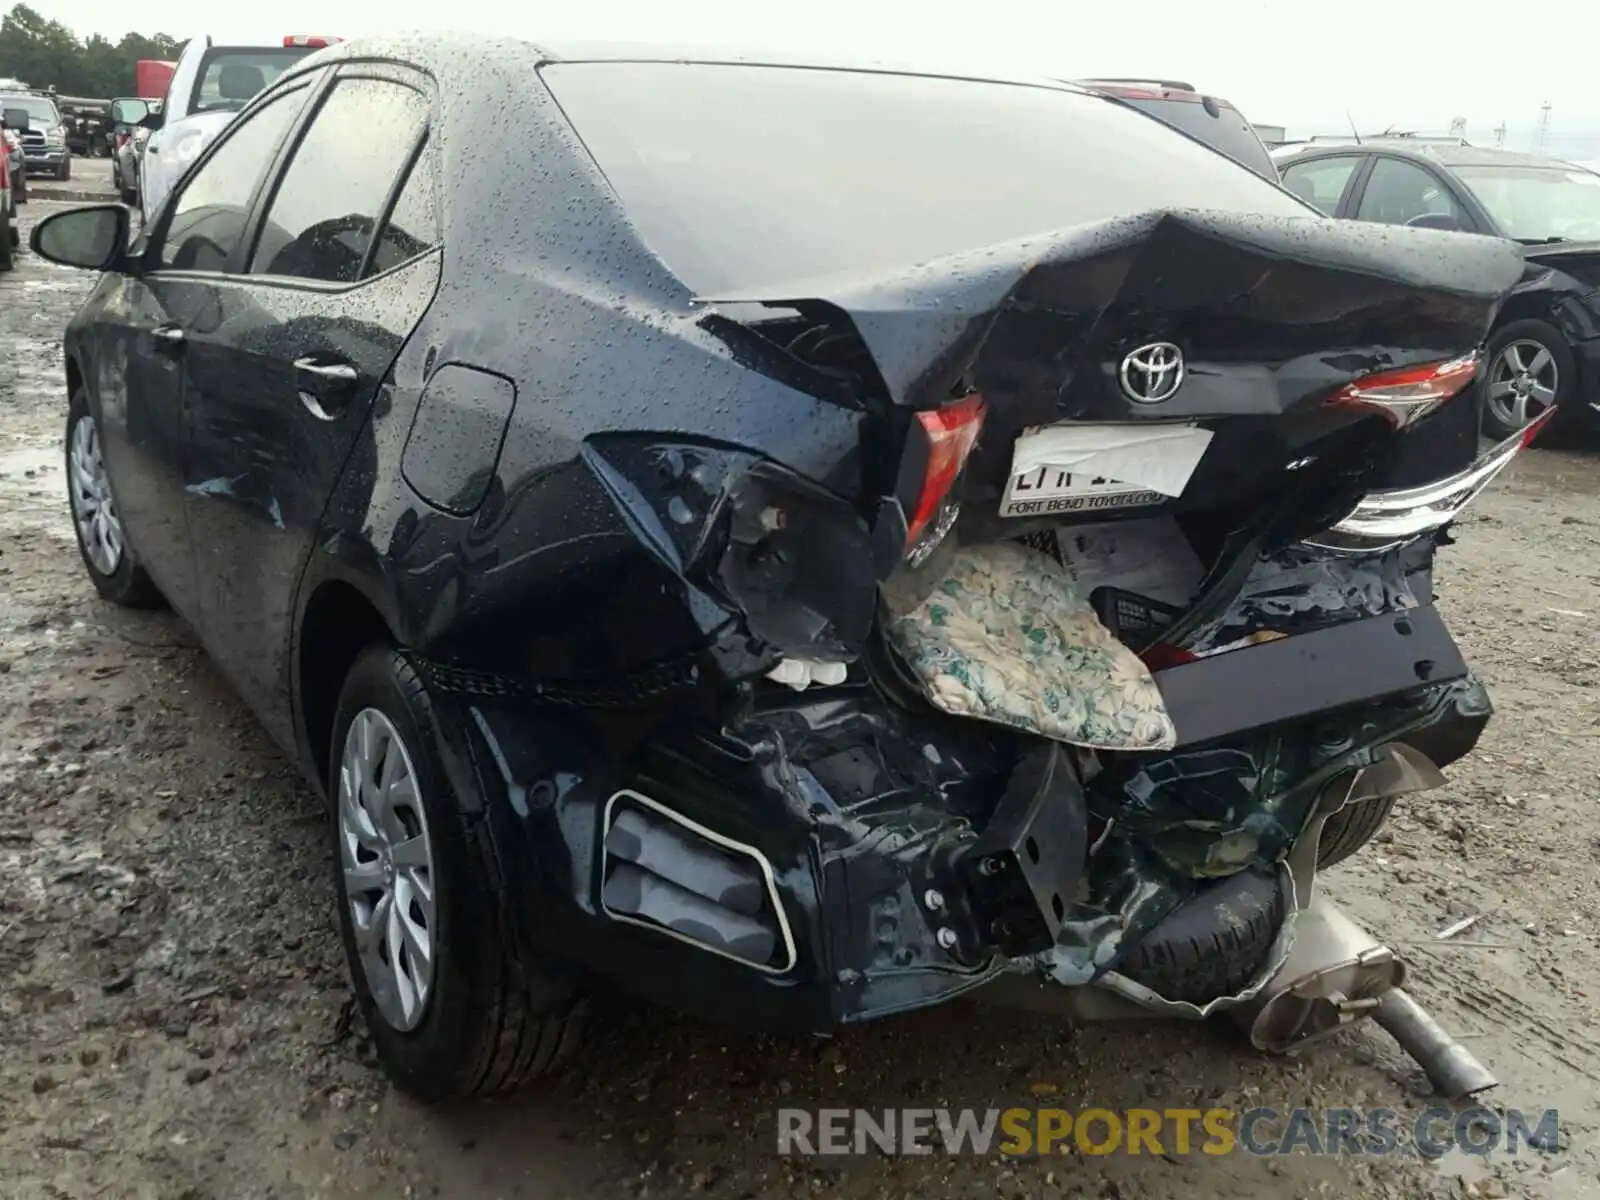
(1385,520)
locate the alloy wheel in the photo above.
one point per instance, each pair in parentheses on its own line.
(1523,380)
(93,507)
(387,861)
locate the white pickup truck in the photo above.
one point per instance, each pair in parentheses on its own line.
(215,78)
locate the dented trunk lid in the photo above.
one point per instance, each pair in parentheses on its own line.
(1268,316)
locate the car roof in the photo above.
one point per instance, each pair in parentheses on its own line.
(1444,154)
(436,50)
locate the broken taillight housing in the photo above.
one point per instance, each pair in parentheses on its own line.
(1405,396)
(948,434)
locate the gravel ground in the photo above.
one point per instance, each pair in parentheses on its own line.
(173,1018)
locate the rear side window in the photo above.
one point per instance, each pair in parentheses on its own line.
(332,197)
(1227,131)
(1322,181)
(209,213)
(230,76)
(413,227)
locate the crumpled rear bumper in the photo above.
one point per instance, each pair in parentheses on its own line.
(830,859)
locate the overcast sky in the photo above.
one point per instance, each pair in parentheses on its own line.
(1385,60)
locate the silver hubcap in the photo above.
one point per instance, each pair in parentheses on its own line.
(388,868)
(1522,383)
(92,506)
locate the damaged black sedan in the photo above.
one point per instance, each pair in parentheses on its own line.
(802,544)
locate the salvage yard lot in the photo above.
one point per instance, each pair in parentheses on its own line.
(172,995)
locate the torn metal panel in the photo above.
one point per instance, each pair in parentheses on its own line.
(1182,819)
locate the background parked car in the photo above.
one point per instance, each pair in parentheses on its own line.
(214,79)
(16,165)
(9,238)
(1545,348)
(44,140)
(128,143)
(1210,119)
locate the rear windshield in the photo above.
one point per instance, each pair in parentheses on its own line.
(230,76)
(741,176)
(1228,131)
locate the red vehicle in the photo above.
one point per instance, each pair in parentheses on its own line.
(8,207)
(151,77)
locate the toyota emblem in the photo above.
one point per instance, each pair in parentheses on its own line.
(1152,373)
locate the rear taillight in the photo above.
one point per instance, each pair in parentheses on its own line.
(1405,396)
(949,434)
(315,43)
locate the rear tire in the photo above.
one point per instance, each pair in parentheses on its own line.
(1351,828)
(128,196)
(112,569)
(1206,950)
(478,1021)
(8,247)
(64,172)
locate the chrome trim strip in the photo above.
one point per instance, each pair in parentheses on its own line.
(1385,520)
(791,952)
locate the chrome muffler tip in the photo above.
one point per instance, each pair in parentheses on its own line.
(1453,1071)
(1337,974)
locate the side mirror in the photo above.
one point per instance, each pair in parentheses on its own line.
(92,238)
(150,121)
(17,118)
(1442,221)
(129,112)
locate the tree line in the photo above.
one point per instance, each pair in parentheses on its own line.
(45,53)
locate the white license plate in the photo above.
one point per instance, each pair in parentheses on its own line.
(1073,468)
(1048,490)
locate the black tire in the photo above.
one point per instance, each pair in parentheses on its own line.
(1351,828)
(64,172)
(490,1023)
(20,188)
(1213,946)
(127,586)
(128,196)
(8,247)
(1546,335)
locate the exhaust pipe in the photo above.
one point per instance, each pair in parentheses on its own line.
(1454,1073)
(1335,975)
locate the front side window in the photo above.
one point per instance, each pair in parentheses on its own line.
(332,196)
(1321,181)
(209,213)
(1398,192)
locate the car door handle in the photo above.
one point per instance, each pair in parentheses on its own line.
(168,337)
(324,388)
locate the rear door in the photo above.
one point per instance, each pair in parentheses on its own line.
(340,269)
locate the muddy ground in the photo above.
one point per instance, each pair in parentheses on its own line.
(171,989)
